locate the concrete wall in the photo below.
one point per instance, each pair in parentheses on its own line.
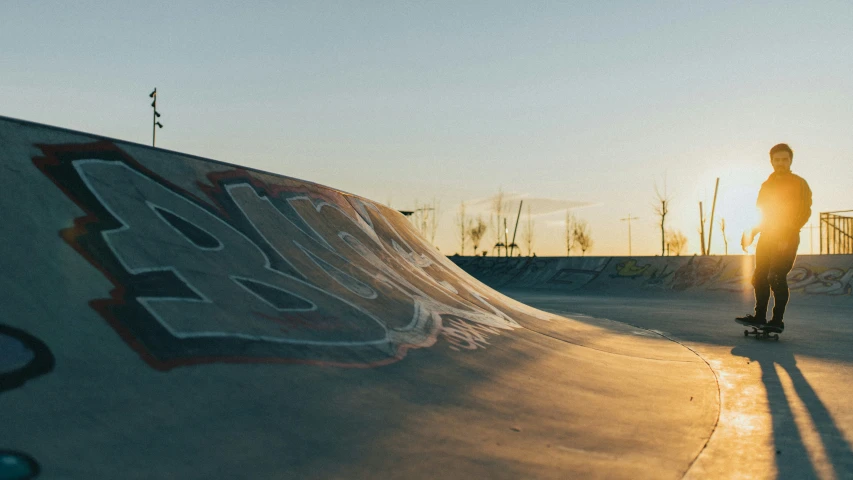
(812,275)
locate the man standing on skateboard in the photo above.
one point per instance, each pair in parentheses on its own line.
(785,202)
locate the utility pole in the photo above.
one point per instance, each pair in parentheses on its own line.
(156,123)
(628,219)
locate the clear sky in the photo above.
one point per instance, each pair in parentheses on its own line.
(586,103)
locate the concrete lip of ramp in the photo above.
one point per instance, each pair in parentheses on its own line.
(785,406)
(168,316)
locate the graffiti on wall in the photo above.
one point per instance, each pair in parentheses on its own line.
(259,268)
(717,273)
(696,272)
(576,277)
(648,274)
(630,268)
(829,281)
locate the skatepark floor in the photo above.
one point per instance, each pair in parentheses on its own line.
(785,407)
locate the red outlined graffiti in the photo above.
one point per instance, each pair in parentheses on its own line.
(260,269)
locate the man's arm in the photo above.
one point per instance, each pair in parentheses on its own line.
(806,199)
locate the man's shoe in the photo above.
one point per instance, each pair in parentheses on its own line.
(751,320)
(776,326)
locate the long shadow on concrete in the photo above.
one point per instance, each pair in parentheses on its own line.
(829,455)
(806,375)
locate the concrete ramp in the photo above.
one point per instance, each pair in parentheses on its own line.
(784,405)
(169,316)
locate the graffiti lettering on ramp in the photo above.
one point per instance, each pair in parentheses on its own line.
(262,269)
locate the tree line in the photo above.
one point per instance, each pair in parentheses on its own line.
(473,230)
(493,231)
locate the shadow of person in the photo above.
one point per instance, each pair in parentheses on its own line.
(812,447)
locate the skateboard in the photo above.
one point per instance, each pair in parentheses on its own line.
(761,331)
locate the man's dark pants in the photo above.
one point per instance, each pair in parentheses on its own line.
(774,258)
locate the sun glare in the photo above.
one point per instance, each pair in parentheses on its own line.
(735,200)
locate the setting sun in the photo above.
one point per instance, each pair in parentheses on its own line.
(739,184)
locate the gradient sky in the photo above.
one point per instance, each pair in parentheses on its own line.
(587,103)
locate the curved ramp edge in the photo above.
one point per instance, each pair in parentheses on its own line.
(237,322)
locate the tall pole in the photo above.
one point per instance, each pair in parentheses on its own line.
(713,207)
(154,122)
(154,119)
(702,228)
(515,230)
(628,219)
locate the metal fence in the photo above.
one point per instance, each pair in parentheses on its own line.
(836,232)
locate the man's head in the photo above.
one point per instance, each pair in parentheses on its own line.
(781,157)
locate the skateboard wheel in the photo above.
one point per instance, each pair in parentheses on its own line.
(745,333)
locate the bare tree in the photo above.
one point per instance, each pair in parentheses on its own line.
(476,232)
(676,242)
(571,221)
(582,236)
(723,229)
(433,221)
(527,235)
(425,218)
(415,218)
(661,208)
(463,225)
(420,217)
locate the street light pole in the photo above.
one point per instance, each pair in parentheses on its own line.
(628,219)
(155,123)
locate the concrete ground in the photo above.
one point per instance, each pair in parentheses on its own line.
(786,407)
(170,316)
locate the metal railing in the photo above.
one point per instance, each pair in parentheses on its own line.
(836,232)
